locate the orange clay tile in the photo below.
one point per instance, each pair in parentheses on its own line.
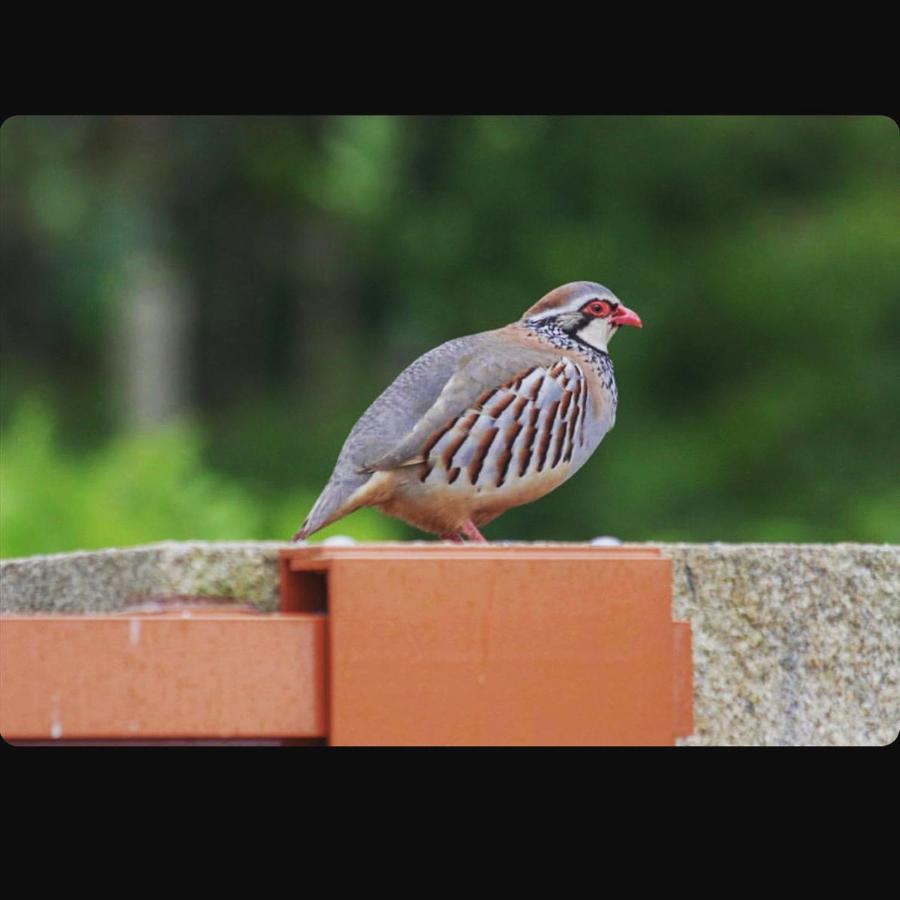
(192,675)
(515,645)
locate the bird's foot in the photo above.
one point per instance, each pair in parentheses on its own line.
(452,536)
(472,533)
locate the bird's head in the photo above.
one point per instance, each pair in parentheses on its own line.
(585,311)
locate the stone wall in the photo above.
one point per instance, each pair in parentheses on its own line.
(793,644)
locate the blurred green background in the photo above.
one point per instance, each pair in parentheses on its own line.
(195,310)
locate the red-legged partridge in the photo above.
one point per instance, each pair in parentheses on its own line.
(485,422)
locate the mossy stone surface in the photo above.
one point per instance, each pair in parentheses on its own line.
(106,581)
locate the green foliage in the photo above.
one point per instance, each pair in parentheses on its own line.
(134,490)
(323,254)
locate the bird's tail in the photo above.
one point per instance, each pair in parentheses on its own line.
(335,502)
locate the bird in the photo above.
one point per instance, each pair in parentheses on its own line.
(485,422)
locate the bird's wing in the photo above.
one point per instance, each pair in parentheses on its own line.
(490,387)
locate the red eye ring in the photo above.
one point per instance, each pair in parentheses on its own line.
(598,308)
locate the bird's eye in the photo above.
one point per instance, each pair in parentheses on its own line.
(598,308)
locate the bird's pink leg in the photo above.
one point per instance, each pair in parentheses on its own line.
(472,533)
(453,536)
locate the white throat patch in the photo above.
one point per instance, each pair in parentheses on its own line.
(597,333)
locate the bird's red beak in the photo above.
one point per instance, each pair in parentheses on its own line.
(624,316)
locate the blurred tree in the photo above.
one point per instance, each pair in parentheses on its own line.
(150,340)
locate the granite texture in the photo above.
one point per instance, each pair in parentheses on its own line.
(106,581)
(793,644)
